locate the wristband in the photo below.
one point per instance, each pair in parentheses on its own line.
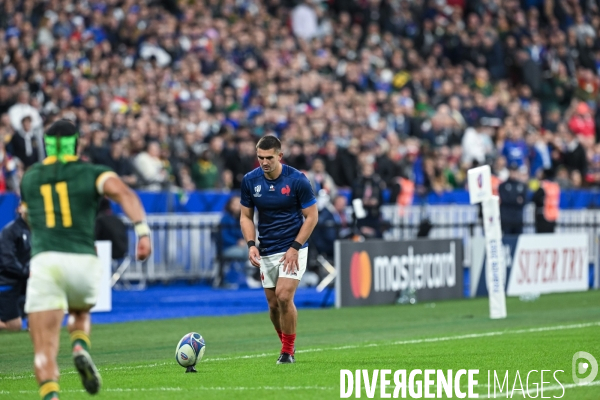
(251,243)
(296,245)
(141,229)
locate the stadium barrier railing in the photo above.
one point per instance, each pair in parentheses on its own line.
(188,246)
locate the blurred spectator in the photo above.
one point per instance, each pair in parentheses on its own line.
(333,164)
(320,180)
(513,194)
(232,239)
(21,109)
(574,155)
(334,223)
(233,244)
(342,219)
(150,168)
(15,255)
(369,189)
(475,145)
(27,143)
(205,173)
(562,178)
(539,153)
(240,160)
(11,171)
(120,163)
(112,228)
(515,149)
(582,124)
(304,21)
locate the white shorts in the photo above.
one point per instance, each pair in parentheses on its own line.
(62,281)
(271,269)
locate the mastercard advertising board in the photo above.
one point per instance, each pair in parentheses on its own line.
(377,271)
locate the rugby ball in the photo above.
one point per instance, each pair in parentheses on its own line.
(190,349)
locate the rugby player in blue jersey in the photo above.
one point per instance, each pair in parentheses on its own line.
(287,215)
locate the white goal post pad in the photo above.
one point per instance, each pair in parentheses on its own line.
(480,184)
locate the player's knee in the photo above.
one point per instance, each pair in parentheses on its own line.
(284,298)
(273,306)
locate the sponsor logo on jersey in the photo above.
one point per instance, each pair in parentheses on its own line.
(286,190)
(271,188)
(257,191)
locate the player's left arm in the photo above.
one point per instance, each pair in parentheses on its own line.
(290,258)
(115,189)
(311,217)
(308,202)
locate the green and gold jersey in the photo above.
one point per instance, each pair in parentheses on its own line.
(62,201)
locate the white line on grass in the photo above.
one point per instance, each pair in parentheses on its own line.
(397,343)
(178,389)
(243,388)
(158,389)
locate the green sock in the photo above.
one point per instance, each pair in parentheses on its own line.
(49,390)
(82,339)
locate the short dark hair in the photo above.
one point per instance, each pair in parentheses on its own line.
(62,127)
(269,142)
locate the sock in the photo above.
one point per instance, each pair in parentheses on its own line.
(280,334)
(49,390)
(82,339)
(287,342)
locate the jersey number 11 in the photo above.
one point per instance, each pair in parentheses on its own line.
(63,200)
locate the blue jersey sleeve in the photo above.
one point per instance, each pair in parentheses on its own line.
(306,197)
(246,195)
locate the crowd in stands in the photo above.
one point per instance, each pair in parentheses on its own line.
(361,92)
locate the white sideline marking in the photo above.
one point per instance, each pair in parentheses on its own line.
(158,389)
(548,389)
(178,389)
(242,388)
(397,343)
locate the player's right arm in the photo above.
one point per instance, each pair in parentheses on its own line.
(115,189)
(249,232)
(247,223)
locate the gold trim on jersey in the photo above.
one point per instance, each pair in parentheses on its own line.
(101,180)
(52,159)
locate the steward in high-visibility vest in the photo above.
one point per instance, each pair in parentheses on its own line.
(546,200)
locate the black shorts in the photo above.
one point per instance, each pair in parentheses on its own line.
(10,298)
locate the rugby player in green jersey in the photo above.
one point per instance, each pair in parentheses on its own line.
(61,196)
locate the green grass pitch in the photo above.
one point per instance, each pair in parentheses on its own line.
(137,359)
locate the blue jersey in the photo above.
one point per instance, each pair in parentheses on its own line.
(279,203)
